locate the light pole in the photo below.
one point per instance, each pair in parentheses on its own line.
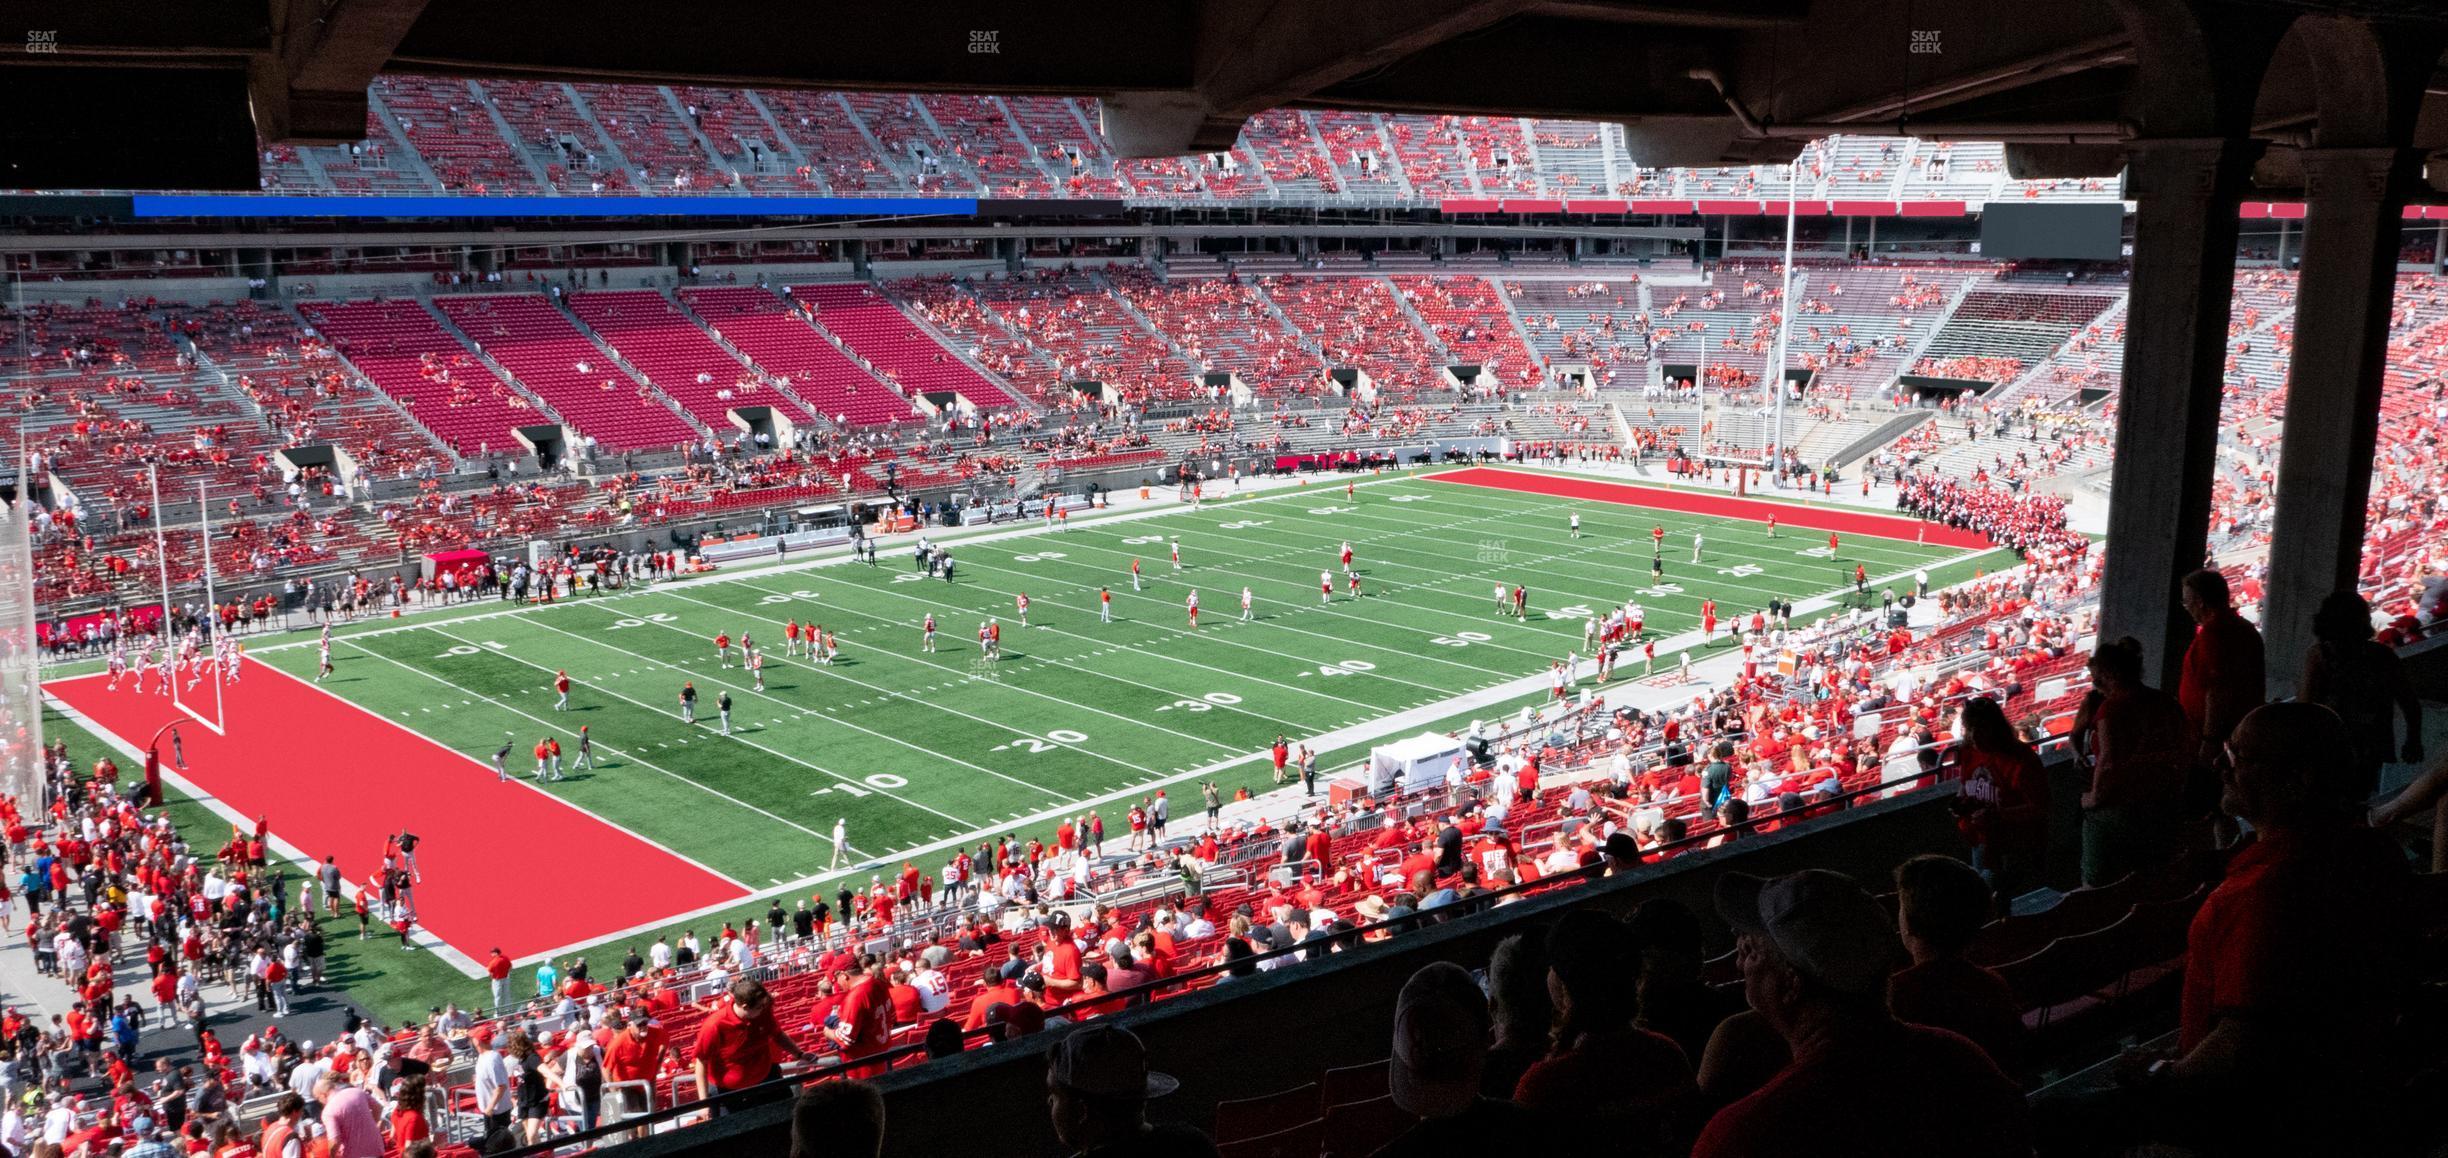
(1785,308)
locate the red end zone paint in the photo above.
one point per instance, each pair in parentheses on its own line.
(1842,522)
(335,780)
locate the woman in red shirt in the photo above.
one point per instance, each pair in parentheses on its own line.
(408,1113)
(2003,806)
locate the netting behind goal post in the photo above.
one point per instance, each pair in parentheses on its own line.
(21,725)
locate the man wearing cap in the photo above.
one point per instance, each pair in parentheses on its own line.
(1816,951)
(1442,1032)
(1098,1085)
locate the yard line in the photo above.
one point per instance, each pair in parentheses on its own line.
(1770,564)
(888,589)
(862,785)
(1015,687)
(639,760)
(718,681)
(1222,638)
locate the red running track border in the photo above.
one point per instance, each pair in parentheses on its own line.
(1817,518)
(334,779)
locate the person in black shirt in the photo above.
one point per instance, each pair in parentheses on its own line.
(803,921)
(632,965)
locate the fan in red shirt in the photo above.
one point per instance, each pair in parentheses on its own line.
(2223,676)
(866,1018)
(2296,965)
(740,1044)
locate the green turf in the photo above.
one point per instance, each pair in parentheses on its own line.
(913,748)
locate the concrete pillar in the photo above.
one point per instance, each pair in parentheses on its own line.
(2355,200)
(2188,191)
(2283,229)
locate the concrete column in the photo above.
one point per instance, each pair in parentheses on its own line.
(2188,191)
(2351,226)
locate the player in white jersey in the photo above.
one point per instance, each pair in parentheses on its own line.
(831,647)
(1177,554)
(1576,524)
(118,667)
(144,667)
(927,641)
(1023,606)
(1192,604)
(1695,546)
(1245,605)
(1325,586)
(1504,600)
(756,667)
(1589,632)
(323,663)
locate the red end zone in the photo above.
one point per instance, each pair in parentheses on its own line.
(1841,521)
(335,780)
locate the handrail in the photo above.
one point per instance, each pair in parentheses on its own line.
(1476,906)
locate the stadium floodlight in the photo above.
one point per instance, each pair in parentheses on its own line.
(1776,373)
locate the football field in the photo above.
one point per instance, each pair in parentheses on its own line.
(916,751)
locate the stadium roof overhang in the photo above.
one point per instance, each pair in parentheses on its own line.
(144,94)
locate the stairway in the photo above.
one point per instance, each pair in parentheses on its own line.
(612,155)
(501,124)
(482,355)
(1421,323)
(776,384)
(781,138)
(407,152)
(561,302)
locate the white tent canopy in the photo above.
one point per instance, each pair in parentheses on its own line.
(1415,763)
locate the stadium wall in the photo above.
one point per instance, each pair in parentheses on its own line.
(1298,1022)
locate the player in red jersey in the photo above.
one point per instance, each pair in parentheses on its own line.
(790,637)
(1772,526)
(1708,620)
(1657,537)
(1832,543)
(722,648)
(561,685)
(1347,554)
(1022,603)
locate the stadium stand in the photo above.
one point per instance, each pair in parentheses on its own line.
(539,346)
(775,337)
(402,349)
